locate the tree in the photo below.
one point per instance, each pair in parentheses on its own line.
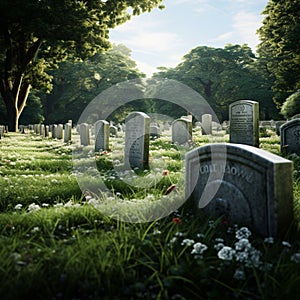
(75,84)
(223,75)
(35,35)
(291,106)
(280,46)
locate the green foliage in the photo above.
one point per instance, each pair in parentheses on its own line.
(291,106)
(75,84)
(67,249)
(36,35)
(280,46)
(223,76)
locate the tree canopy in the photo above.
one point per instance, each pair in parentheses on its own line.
(35,35)
(224,75)
(280,46)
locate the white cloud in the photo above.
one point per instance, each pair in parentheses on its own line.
(224,37)
(245,25)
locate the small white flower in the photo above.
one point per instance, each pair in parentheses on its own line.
(242,233)
(33,207)
(286,244)
(239,274)
(296,258)
(199,248)
(187,242)
(35,229)
(269,240)
(18,206)
(242,244)
(226,253)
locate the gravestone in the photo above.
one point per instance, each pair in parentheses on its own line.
(290,137)
(47,131)
(42,130)
(137,140)
(60,129)
(245,185)
(54,131)
(154,132)
(206,121)
(278,124)
(297,116)
(101,135)
(84,131)
(181,131)
(244,122)
(67,132)
(113,130)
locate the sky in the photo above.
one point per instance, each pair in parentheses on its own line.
(163,37)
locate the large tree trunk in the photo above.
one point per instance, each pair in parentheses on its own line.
(15,103)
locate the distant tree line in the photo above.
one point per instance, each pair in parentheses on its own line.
(64,80)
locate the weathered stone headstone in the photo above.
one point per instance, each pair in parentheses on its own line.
(113,130)
(154,132)
(290,137)
(297,116)
(181,131)
(278,124)
(42,130)
(245,185)
(60,129)
(206,121)
(101,135)
(244,122)
(67,132)
(54,131)
(137,140)
(47,131)
(84,131)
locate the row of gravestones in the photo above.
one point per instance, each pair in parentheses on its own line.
(55,131)
(221,178)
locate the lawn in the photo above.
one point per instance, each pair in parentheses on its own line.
(58,242)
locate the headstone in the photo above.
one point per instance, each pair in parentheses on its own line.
(297,116)
(84,131)
(154,132)
(113,130)
(101,135)
(47,131)
(243,184)
(181,131)
(244,122)
(206,121)
(67,132)
(137,140)
(278,125)
(60,129)
(42,130)
(290,137)
(54,131)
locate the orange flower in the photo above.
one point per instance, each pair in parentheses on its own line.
(165,173)
(177,221)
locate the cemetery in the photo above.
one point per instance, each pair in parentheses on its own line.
(156,160)
(224,217)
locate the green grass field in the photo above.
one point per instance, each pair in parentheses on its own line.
(56,244)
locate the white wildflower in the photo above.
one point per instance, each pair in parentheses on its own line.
(242,233)
(296,258)
(226,253)
(33,207)
(187,242)
(18,206)
(199,248)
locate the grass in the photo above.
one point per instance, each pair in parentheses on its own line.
(56,244)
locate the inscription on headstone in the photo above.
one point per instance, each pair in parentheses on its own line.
(244,122)
(290,137)
(243,184)
(137,140)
